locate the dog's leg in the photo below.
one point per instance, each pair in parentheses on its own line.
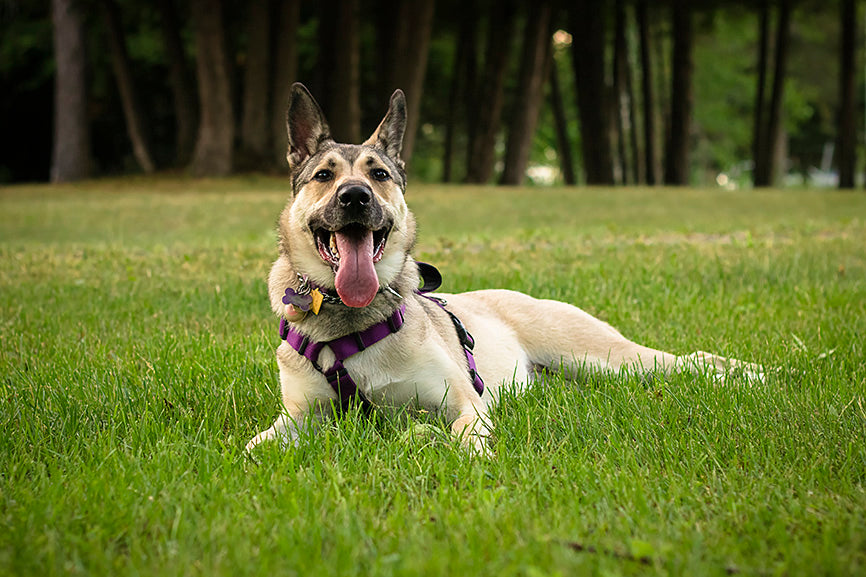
(586,342)
(303,391)
(470,428)
(556,334)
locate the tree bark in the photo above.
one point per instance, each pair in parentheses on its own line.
(213,149)
(472,86)
(677,169)
(534,66)
(285,72)
(847,146)
(588,46)
(622,165)
(759,138)
(637,164)
(766,172)
(341,68)
(180,80)
(566,162)
(650,137)
(255,136)
(70,157)
(123,76)
(460,81)
(491,97)
(414,28)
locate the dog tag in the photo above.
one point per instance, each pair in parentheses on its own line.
(317,301)
(294,315)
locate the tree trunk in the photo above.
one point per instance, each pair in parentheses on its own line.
(566,163)
(409,64)
(766,173)
(620,100)
(847,81)
(650,138)
(472,86)
(70,157)
(534,64)
(588,48)
(213,149)
(255,136)
(637,174)
(662,83)
(760,152)
(180,80)
(460,81)
(123,76)
(491,97)
(341,68)
(285,72)
(677,169)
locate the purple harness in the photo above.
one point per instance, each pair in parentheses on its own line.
(346,346)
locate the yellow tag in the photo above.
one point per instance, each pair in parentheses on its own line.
(317,301)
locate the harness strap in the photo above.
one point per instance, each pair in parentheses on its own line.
(343,348)
(466,341)
(433,280)
(346,346)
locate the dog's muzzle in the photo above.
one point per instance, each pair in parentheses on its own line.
(351,235)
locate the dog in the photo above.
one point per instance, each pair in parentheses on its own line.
(357,325)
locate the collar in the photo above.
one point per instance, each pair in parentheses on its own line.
(300,297)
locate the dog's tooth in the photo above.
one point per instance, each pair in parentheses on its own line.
(334,250)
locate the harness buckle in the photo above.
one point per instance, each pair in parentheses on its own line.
(302,348)
(462,334)
(359,341)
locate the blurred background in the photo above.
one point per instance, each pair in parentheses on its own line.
(683,92)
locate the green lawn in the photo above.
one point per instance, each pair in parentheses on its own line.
(136,355)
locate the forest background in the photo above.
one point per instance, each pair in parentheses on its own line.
(700,92)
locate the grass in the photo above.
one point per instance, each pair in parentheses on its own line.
(136,355)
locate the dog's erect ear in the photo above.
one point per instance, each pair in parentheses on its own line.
(389,135)
(306,126)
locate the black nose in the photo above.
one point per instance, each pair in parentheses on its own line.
(355,196)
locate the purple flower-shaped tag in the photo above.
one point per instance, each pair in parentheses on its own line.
(299,301)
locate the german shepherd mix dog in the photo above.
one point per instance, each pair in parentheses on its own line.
(356,325)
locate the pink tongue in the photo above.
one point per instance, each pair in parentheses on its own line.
(356,282)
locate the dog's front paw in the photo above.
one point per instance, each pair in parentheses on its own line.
(261,437)
(282,430)
(472,433)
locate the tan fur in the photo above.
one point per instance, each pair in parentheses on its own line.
(423,364)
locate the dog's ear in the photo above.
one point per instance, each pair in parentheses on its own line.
(306,126)
(389,135)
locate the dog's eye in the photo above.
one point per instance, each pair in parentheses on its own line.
(323,175)
(380,174)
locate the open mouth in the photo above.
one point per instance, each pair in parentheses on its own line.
(352,252)
(329,242)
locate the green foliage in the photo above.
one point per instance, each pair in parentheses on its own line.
(136,354)
(726,82)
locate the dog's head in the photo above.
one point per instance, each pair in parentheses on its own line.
(347,225)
